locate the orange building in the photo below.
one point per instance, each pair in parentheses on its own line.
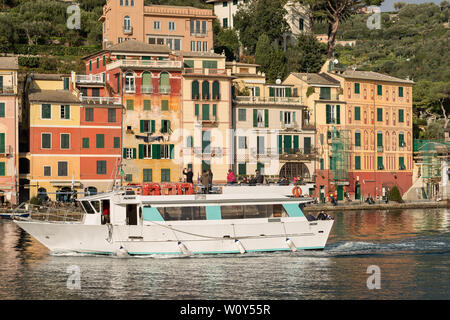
(180,27)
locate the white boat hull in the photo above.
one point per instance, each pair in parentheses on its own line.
(180,237)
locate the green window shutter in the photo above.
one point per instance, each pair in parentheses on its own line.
(66,112)
(153,126)
(293,116)
(357,139)
(296,143)
(379,90)
(287,92)
(66,83)
(104,60)
(400,115)
(116,142)
(130,104)
(2,143)
(356,88)
(2,169)
(141,125)
(46,111)
(195,90)
(124,155)
(242,169)
(328,114)
(266,118)
(85,143)
(156,151)
(379,114)
(401,139)
(280,144)
(357,113)
(189,64)
(379,139)
(287,143)
(216,90)
(141,151)
(65,141)
(322,164)
(2,109)
(90,65)
(400,91)
(190,142)
(172,151)
(338,114)
(197,109)
(98,62)
(281,116)
(147,105)
(271,92)
(401,163)
(100,141)
(380,163)
(257,93)
(214,110)
(165,105)
(134,153)
(147,175)
(205,112)
(357,163)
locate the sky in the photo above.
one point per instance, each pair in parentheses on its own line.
(388,5)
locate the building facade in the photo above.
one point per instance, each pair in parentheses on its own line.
(9,145)
(180,27)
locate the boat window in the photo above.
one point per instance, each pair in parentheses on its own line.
(183,213)
(87,207)
(253,211)
(232,212)
(96,205)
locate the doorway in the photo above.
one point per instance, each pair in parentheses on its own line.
(132,215)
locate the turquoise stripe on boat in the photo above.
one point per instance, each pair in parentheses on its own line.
(151,214)
(293,210)
(213,213)
(223,252)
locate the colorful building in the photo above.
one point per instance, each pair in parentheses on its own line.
(180,27)
(206,116)
(9,145)
(378,120)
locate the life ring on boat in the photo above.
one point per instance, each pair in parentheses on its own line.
(151,189)
(297,191)
(170,187)
(185,188)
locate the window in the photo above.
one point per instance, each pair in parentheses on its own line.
(47,171)
(165,126)
(85,143)
(379,140)
(101,166)
(325,93)
(171,26)
(100,141)
(242,142)
(216,90)
(2,169)
(357,162)
(129,153)
(322,164)
(357,139)
(356,88)
(165,105)
(379,114)
(147,175)
(225,4)
(401,163)
(177,43)
(380,165)
(189,142)
(126,24)
(165,175)
(98,62)
(130,104)
(129,83)
(379,90)
(242,168)
(147,125)
(260,145)
(147,105)
(65,141)
(357,113)
(301,24)
(400,92)
(205,46)
(46,141)
(2,109)
(62,168)
(205,90)
(66,83)
(128,177)
(111,115)
(242,114)
(195,90)
(225,22)
(89,114)
(192,45)
(400,115)
(156,25)
(333,114)
(199,46)
(401,140)
(164,82)
(46,111)
(261,118)
(116,142)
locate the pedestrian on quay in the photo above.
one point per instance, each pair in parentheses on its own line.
(231,178)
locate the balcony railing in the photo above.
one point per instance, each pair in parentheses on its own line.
(91,78)
(144,64)
(130,89)
(7,90)
(7,151)
(289,126)
(208,151)
(379,148)
(271,100)
(128,30)
(165,89)
(199,34)
(205,71)
(298,154)
(101,100)
(147,89)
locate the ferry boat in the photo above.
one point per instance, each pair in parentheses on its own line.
(140,221)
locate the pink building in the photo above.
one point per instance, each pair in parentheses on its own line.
(8,129)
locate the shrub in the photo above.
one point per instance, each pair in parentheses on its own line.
(394,194)
(36,201)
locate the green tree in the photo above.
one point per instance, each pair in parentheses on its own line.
(307,54)
(226,39)
(432,98)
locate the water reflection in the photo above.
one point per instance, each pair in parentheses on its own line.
(411,248)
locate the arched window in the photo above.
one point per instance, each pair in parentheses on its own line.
(205,90)
(164,83)
(195,90)
(126,23)
(216,90)
(147,86)
(129,82)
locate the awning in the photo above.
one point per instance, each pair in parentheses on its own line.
(66,184)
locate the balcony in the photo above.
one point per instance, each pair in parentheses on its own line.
(7,151)
(270,100)
(199,34)
(308,126)
(207,119)
(379,148)
(205,71)
(90,79)
(291,154)
(147,89)
(156,64)
(165,89)
(208,152)
(130,89)
(6,90)
(289,126)
(101,100)
(128,30)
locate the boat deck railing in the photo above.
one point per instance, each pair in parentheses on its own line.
(46,213)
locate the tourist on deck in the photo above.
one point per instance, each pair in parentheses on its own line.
(210,179)
(231,179)
(205,181)
(189,175)
(283,182)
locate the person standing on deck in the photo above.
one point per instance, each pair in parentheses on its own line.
(189,175)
